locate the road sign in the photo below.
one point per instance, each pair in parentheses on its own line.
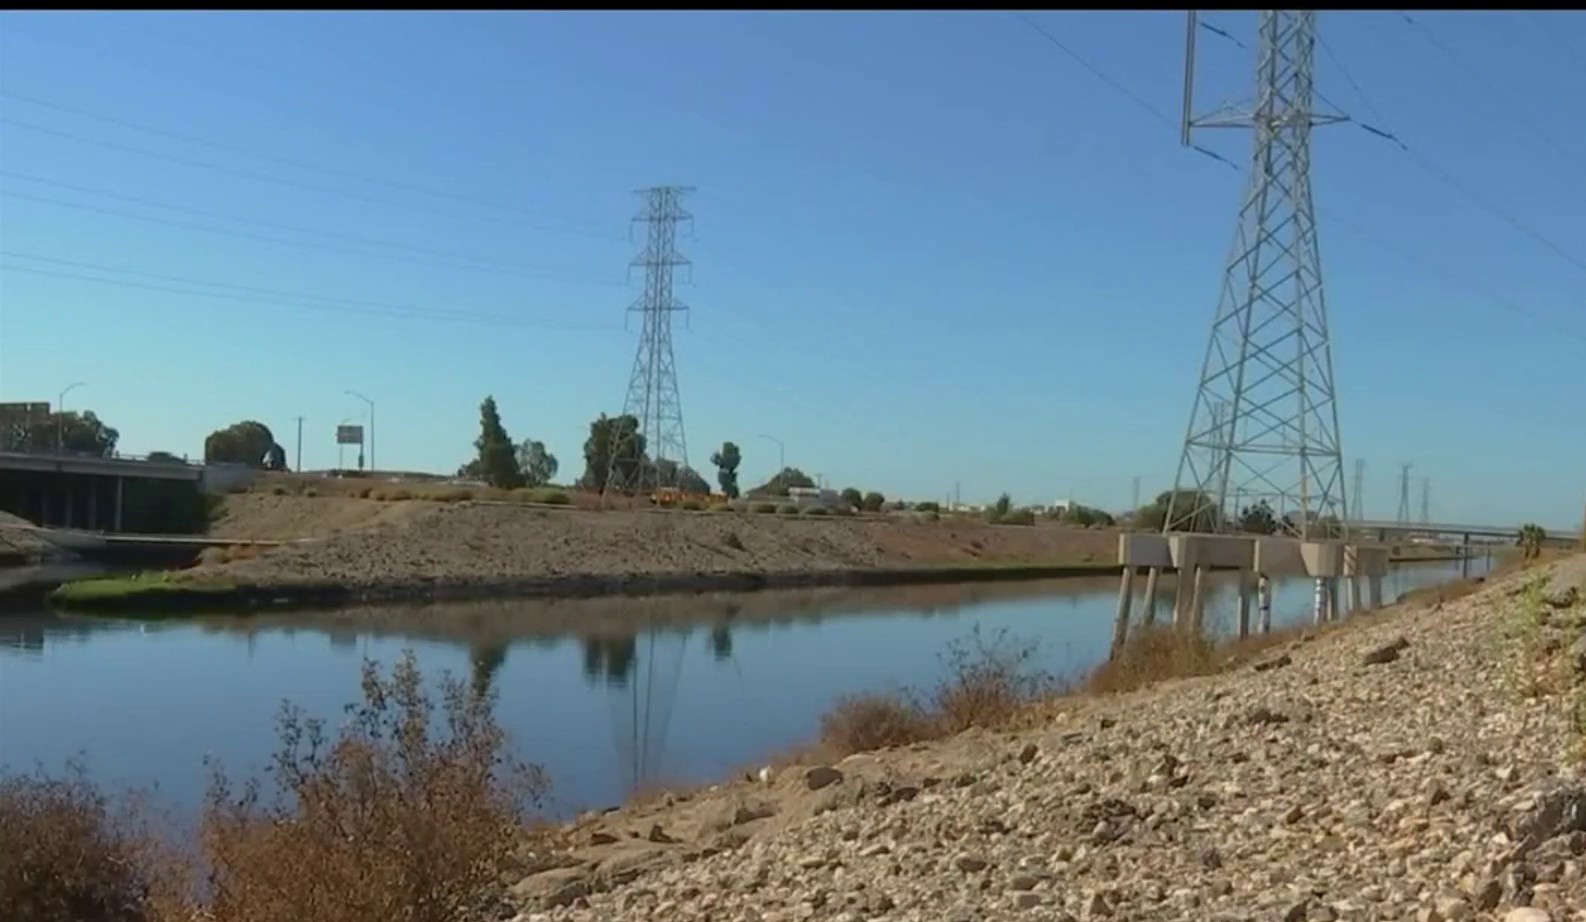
(349,435)
(18,420)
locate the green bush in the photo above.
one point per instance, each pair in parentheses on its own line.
(817,510)
(278,491)
(1017,517)
(927,507)
(931,516)
(787,509)
(452,496)
(311,492)
(763,507)
(365,492)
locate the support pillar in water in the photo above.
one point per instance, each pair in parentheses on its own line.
(1152,575)
(1120,623)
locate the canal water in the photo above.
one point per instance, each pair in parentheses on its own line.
(603,694)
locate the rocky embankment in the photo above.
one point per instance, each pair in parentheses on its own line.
(1418,764)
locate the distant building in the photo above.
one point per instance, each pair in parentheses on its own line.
(805,497)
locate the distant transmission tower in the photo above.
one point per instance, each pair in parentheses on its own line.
(1404,493)
(652,389)
(1426,500)
(1270,356)
(1357,489)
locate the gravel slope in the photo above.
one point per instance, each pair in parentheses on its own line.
(1397,769)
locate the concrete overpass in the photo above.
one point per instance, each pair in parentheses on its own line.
(96,493)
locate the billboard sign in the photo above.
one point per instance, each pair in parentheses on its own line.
(349,435)
(18,421)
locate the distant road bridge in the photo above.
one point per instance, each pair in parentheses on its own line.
(1383,530)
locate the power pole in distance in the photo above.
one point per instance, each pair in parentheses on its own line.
(1404,493)
(1269,359)
(1358,489)
(299,467)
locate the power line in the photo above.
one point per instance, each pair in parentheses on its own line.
(251,175)
(289,161)
(279,298)
(284,241)
(366,241)
(1486,87)
(1095,71)
(1498,299)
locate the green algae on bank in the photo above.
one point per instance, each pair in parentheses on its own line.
(157,590)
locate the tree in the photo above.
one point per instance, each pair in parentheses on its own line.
(537,464)
(1206,518)
(873,501)
(853,498)
(498,459)
(727,461)
(1532,537)
(164,457)
(667,473)
(1003,505)
(248,442)
(604,432)
(787,478)
(471,471)
(1258,519)
(1086,516)
(74,433)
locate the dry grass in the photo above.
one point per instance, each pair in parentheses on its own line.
(987,684)
(399,818)
(861,723)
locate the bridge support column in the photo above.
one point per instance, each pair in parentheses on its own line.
(93,503)
(120,482)
(1198,600)
(1245,584)
(1334,609)
(1375,584)
(1120,623)
(1464,557)
(1264,600)
(1152,575)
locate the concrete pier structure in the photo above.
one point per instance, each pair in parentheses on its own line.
(1257,560)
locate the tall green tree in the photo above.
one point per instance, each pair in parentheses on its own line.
(605,433)
(498,457)
(852,497)
(537,464)
(249,442)
(727,461)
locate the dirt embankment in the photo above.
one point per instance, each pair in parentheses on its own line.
(365,542)
(1420,763)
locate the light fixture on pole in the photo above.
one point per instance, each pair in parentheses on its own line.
(60,413)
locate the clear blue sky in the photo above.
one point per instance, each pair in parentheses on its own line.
(928,247)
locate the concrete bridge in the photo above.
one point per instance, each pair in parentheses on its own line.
(93,492)
(1382,530)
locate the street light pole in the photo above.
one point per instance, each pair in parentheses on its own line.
(781,450)
(341,450)
(372,467)
(60,413)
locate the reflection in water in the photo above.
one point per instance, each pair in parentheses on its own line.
(608,695)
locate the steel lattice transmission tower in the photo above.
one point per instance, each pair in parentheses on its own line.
(1265,420)
(652,388)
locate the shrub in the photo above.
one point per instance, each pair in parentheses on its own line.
(817,510)
(930,517)
(386,822)
(763,507)
(396,496)
(1015,517)
(787,509)
(927,506)
(364,492)
(278,490)
(65,858)
(311,492)
(987,684)
(860,723)
(1154,654)
(691,505)
(874,502)
(452,496)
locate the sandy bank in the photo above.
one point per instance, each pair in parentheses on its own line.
(1419,763)
(363,543)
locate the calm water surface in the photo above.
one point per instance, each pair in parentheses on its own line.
(602,693)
